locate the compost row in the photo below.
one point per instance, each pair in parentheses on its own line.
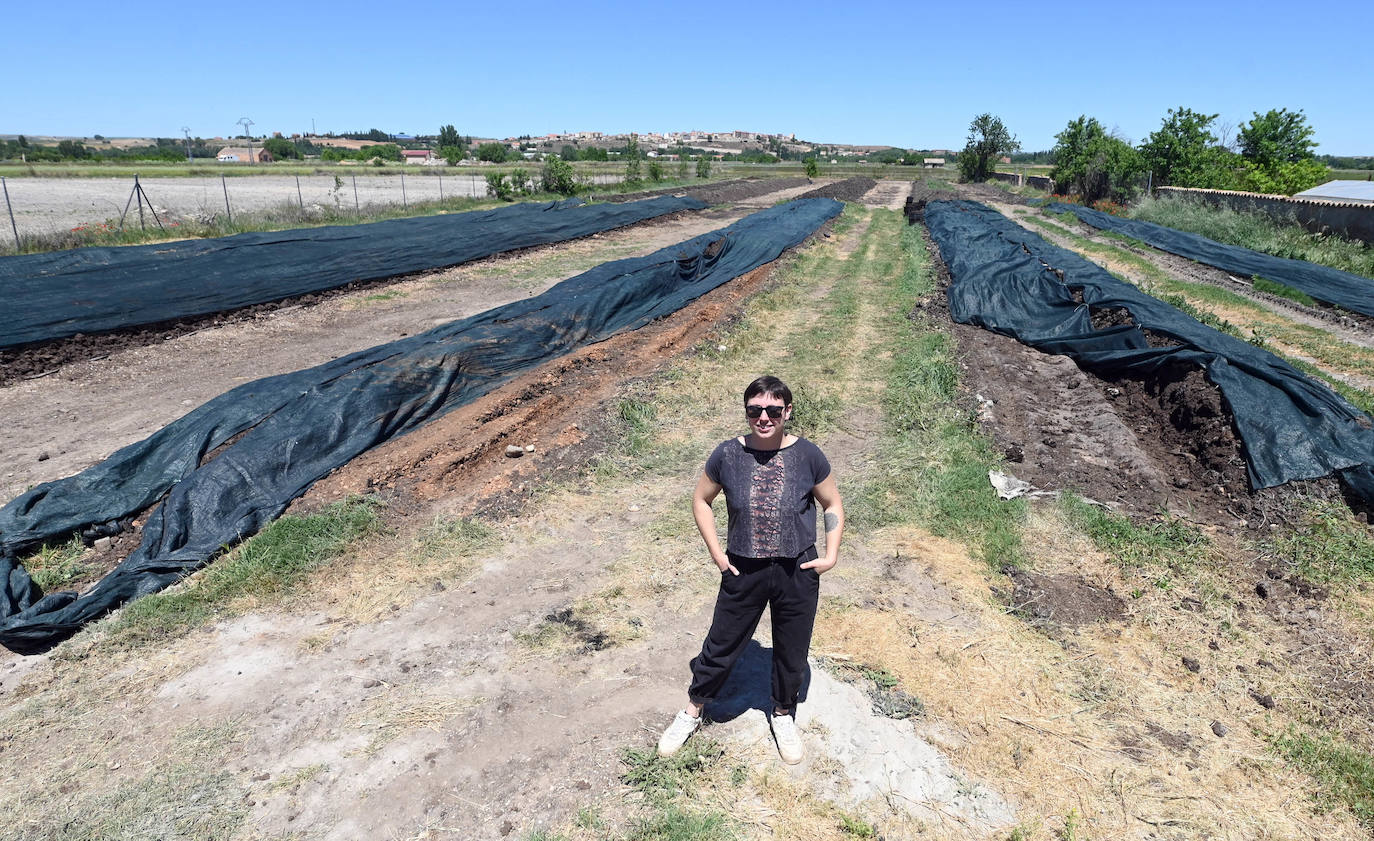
(273,438)
(94,290)
(1009,280)
(1332,286)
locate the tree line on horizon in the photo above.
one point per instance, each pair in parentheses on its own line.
(1272,153)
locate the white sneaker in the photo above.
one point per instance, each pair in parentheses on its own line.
(788,737)
(676,735)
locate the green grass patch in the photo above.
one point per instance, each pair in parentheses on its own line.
(1167,542)
(1328,545)
(57,565)
(1344,773)
(1257,232)
(270,564)
(1273,287)
(934,462)
(660,778)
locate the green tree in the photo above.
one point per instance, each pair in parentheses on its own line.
(380,152)
(281,149)
(72,150)
(557,176)
(1092,164)
(448,136)
(1277,154)
(494,152)
(1278,136)
(655,171)
(452,154)
(569,153)
(1284,178)
(988,139)
(703,167)
(593,153)
(1185,153)
(682,169)
(632,159)
(813,169)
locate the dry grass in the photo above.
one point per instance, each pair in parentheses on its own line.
(406,709)
(1102,721)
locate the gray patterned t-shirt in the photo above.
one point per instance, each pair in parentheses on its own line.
(772,512)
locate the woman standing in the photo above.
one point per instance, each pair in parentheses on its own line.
(772,481)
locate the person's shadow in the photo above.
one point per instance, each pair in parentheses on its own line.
(750,686)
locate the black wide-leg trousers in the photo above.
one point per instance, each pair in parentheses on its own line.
(791,594)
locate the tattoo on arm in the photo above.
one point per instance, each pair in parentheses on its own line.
(832,522)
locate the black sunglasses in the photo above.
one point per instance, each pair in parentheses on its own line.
(774,412)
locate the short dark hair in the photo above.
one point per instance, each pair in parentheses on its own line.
(771,386)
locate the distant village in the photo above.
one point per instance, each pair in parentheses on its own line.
(426,149)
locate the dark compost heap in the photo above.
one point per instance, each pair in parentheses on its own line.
(92,290)
(1332,286)
(1007,279)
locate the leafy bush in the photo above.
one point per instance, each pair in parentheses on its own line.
(1095,165)
(280,148)
(703,167)
(655,171)
(500,187)
(557,176)
(452,154)
(1184,152)
(813,169)
(493,152)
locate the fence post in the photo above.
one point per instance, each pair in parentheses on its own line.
(10,208)
(298,194)
(356,209)
(441,186)
(225,187)
(403,192)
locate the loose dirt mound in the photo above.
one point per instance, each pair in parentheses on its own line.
(850,189)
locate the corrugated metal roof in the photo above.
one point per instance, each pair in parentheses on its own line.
(1341,191)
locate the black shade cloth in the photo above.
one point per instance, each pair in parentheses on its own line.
(299,426)
(93,290)
(1333,286)
(1006,279)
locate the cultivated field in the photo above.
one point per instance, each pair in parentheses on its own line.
(487,647)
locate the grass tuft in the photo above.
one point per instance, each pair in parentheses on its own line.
(1273,287)
(1170,542)
(1345,773)
(269,564)
(1329,545)
(57,565)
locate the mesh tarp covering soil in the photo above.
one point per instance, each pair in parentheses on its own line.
(285,432)
(1007,279)
(92,290)
(1332,286)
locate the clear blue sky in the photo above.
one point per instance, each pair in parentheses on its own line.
(881,72)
